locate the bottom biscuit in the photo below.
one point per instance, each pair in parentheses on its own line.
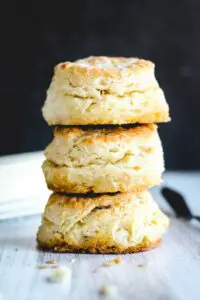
(144,246)
(120,223)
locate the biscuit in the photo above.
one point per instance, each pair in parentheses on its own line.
(103,90)
(104,160)
(119,223)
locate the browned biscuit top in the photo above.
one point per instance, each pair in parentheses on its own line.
(105,135)
(105,66)
(81,202)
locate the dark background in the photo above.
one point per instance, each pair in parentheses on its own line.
(37,35)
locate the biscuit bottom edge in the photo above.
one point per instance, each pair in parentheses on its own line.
(102,249)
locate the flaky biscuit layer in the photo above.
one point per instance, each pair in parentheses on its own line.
(103,90)
(120,223)
(104,160)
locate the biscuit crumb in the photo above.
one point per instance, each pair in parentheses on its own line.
(141,266)
(116,261)
(42,267)
(108,290)
(60,274)
(51,262)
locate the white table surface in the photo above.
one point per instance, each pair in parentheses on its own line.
(171,271)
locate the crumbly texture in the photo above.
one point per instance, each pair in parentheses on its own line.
(120,223)
(105,90)
(104,160)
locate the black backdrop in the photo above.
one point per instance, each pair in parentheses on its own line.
(37,35)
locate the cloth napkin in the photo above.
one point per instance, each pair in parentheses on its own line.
(23,189)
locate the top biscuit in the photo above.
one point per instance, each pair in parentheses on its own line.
(105,90)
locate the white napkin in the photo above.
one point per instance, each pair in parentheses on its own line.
(23,189)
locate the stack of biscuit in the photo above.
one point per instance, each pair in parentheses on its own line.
(105,154)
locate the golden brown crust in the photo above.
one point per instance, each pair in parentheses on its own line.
(102,66)
(159,116)
(105,135)
(101,248)
(80,202)
(64,187)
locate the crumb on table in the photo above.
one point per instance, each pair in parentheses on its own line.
(116,261)
(42,267)
(60,274)
(51,262)
(141,266)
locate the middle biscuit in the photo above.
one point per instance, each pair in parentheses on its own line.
(104,160)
